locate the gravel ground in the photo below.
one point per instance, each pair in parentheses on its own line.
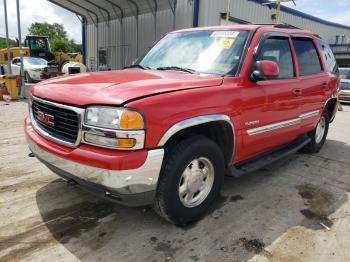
(297,209)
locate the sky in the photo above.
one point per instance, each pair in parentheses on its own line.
(43,11)
(38,11)
(337,11)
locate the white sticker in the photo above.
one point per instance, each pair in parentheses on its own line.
(226,34)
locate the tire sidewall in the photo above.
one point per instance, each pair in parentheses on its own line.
(317,146)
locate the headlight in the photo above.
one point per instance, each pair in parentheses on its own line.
(113,127)
(113,118)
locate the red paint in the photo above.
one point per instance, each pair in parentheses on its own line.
(269,68)
(116,87)
(166,98)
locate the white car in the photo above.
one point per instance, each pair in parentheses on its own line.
(34,68)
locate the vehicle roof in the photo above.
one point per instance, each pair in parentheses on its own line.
(266,27)
(37,36)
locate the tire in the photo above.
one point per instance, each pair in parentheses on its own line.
(179,167)
(317,136)
(28,78)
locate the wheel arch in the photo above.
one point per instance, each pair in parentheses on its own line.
(331,105)
(218,127)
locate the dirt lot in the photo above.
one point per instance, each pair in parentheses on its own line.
(280,213)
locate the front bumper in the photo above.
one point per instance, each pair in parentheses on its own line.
(344,96)
(130,187)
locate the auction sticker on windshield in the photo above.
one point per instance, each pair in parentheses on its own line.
(225,34)
(226,43)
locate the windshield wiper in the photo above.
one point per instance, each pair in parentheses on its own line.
(177,68)
(137,66)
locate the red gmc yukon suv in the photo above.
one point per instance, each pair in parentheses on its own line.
(201,103)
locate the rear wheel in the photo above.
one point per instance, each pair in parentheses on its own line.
(191,178)
(318,135)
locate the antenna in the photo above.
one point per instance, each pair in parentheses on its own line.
(278,9)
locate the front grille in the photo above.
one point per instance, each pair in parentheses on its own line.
(63,124)
(344,86)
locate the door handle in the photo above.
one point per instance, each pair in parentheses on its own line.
(324,85)
(297,92)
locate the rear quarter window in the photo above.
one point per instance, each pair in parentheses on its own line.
(308,60)
(328,56)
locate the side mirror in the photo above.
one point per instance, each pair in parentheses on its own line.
(264,70)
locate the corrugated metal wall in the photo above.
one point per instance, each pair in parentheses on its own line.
(256,13)
(121,47)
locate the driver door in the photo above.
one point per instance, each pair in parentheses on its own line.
(275,121)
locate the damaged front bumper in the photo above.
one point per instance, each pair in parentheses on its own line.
(130,187)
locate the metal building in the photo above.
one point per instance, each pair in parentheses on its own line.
(117,31)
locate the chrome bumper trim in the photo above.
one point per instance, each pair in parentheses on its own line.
(138,135)
(126,182)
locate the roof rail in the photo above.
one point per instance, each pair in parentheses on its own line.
(284,25)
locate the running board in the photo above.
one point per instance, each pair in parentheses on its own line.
(260,161)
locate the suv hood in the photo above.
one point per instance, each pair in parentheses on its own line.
(117,87)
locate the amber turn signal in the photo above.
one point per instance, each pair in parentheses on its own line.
(131,120)
(125,142)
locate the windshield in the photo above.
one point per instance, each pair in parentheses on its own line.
(208,51)
(34,61)
(38,44)
(344,73)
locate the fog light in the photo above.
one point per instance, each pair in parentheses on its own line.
(110,142)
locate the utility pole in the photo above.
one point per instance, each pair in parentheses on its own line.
(278,8)
(278,12)
(7,40)
(20,49)
(228,11)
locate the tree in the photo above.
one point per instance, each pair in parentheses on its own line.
(12,43)
(53,31)
(57,35)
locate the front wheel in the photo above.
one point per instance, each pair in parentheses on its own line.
(27,77)
(318,135)
(191,178)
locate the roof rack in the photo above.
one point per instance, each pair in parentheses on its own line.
(284,25)
(318,36)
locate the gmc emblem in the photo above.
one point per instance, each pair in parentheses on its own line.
(45,118)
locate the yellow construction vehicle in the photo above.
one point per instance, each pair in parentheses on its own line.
(14,52)
(39,46)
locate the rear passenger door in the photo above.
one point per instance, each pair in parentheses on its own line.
(314,80)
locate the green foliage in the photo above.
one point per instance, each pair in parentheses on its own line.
(12,43)
(53,31)
(57,35)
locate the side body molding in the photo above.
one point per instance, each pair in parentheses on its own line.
(195,121)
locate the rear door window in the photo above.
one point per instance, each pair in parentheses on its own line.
(328,56)
(308,60)
(278,50)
